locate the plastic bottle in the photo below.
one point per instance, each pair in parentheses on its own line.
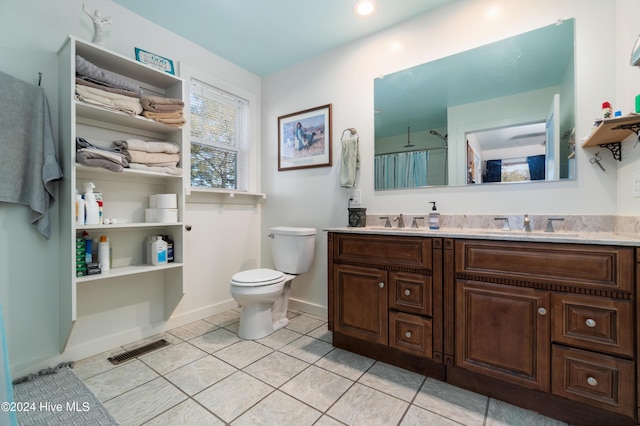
(100,207)
(158,251)
(434,217)
(169,242)
(607,111)
(79,210)
(91,205)
(104,253)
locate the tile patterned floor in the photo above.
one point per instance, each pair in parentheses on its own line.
(209,376)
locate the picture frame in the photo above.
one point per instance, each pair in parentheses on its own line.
(304,139)
(155,61)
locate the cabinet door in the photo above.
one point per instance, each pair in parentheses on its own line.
(361,303)
(503,332)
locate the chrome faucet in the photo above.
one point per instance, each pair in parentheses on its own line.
(387,224)
(550,223)
(414,224)
(400,221)
(527,224)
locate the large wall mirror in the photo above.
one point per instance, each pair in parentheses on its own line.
(503,112)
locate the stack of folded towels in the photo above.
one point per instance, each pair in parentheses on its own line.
(95,156)
(165,110)
(110,90)
(154,156)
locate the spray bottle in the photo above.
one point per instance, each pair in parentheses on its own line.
(92,209)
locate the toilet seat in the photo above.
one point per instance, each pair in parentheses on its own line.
(257,278)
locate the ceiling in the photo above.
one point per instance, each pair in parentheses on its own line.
(266,36)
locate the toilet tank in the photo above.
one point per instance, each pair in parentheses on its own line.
(292,248)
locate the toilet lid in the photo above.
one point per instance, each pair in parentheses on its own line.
(257,277)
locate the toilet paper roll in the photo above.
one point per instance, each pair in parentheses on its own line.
(167,201)
(153,201)
(150,215)
(167,215)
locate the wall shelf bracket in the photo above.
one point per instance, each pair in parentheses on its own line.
(615,149)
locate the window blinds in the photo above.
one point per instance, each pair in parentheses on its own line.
(219,138)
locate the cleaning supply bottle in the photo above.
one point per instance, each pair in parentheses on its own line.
(92,210)
(79,210)
(169,242)
(104,253)
(434,217)
(607,111)
(159,251)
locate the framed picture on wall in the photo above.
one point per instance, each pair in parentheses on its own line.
(304,139)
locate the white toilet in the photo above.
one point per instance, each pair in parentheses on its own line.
(263,294)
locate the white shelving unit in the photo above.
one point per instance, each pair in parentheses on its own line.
(125,194)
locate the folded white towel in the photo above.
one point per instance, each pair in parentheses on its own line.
(350,161)
(148,146)
(109,100)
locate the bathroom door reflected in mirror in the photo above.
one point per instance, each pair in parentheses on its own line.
(432,121)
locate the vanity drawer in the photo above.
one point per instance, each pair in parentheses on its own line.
(410,293)
(411,333)
(593,322)
(411,252)
(599,380)
(557,265)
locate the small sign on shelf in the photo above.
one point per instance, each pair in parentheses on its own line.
(155,61)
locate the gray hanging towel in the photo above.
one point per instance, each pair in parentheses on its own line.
(28,163)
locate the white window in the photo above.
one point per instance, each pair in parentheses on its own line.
(219,138)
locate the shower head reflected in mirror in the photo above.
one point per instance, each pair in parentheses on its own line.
(436,133)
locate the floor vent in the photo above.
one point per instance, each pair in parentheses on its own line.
(126,356)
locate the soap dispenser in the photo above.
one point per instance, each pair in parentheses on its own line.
(434,217)
(92,210)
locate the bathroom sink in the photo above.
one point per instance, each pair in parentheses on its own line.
(383,228)
(540,234)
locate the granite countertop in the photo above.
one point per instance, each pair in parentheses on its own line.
(620,231)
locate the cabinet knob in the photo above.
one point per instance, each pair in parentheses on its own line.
(592,381)
(381,285)
(407,292)
(407,334)
(542,311)
(590,323)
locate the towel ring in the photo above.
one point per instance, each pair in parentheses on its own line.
(352,130)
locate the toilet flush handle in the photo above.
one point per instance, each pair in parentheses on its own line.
(271,236)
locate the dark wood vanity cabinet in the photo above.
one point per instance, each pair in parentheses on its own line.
(551,327)
(385,298)
(555,318)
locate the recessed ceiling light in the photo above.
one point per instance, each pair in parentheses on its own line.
(364,7)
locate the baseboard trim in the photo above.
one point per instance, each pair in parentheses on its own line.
(309,308)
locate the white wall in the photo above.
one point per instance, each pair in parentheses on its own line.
(31,32)
(628,86)
(344,78)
